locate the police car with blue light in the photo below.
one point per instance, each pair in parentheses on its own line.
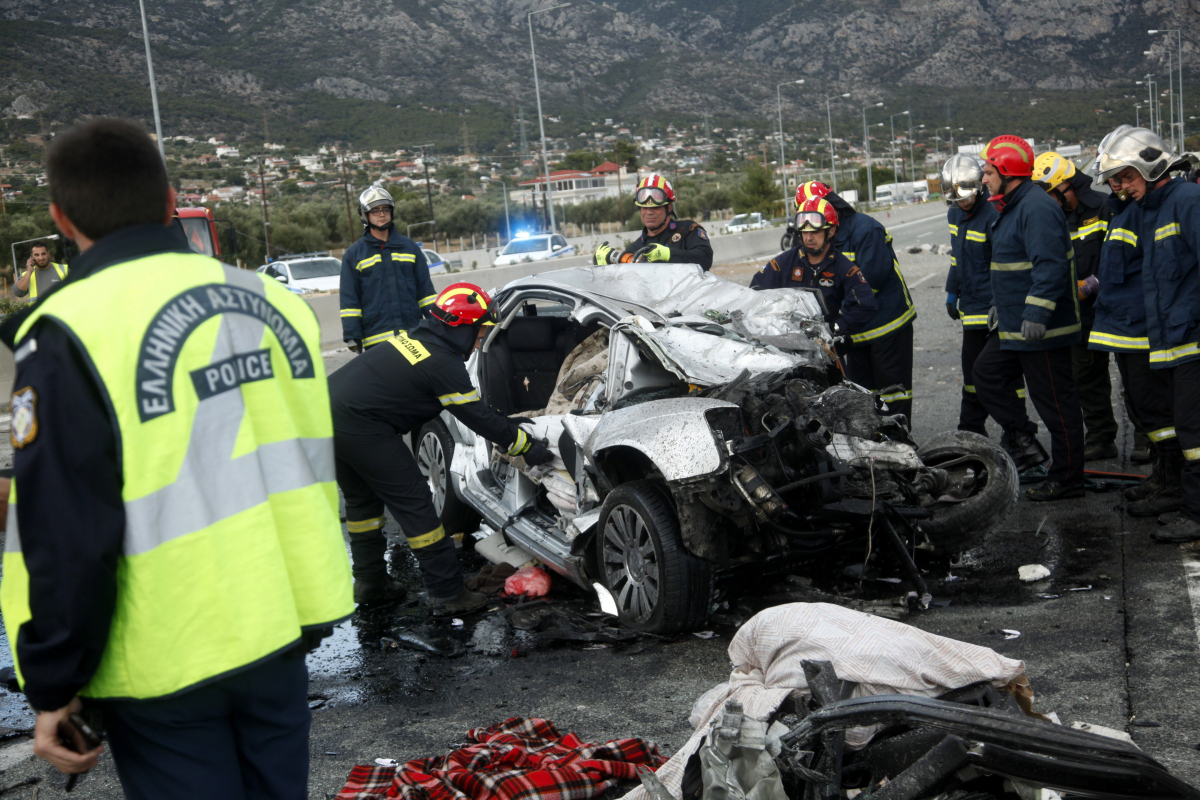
(534,247)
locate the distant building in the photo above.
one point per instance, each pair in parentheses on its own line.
(227,152)
(574,186)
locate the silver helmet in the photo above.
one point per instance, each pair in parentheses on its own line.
(1103,146)
(1139,148)
(962,177)
(373,197)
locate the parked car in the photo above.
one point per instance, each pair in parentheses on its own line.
(713,436)
(437,264)
(306,273)
(747,222)
(534,248)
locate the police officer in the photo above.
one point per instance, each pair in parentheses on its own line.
(385,278)
(176,548)
(1087,220)
(969,288)
(1120,328)
(1138,163)
(1035,317)
(664,238)
(815,264)
(390,391)
(40,273)
(881,358)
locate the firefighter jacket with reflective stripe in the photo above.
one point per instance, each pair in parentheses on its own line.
(1169,237)
(410,379)
(385,287)
(230,548)
(687,241)
(867,244)
(970,275)
(1033,270)
(848,298)
(1088,225)
(1120,322)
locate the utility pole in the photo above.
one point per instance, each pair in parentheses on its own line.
(153,89)
(262,185)
(346,186)
(541,119)
(428,188)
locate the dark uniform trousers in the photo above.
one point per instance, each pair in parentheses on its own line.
(972,414)
(1047,375)
(1148,399)
(1184,381)
(885,363)
(377,470)
(1094,387)
(243,737)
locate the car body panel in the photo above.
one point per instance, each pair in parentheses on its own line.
(674,434)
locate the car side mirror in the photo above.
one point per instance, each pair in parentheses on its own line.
(281,278)
(558,247)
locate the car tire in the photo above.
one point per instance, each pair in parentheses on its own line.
(659,587)
(959,526)
(434,450)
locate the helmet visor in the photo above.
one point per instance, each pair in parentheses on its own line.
(650,196)
(811,221)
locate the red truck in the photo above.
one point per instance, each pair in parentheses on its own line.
(200,228)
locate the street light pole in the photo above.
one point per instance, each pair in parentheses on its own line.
(1179,54)
(867,150)
(1170,96)
(153,89)
(542,120)
(507,222)
(832,151)
(782,162)
(912,159)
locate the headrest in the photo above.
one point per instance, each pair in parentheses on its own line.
(531,334)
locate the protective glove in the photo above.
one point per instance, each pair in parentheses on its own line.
(993,318)
(952,305)
(354,345)
(658,252)
(1032,331)
(606,255)
(1088,287)
(538,454)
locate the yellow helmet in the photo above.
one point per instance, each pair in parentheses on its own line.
(1050,169)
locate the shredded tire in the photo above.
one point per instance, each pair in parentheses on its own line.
(685,581)
(960,526)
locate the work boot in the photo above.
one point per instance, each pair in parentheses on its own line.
(1169,496)
(1143,450)
(377,589)
(1182,530)
(1099,451)
(1024,449)
(464,602)
(1055,490)
(1170,518)
(1153,482)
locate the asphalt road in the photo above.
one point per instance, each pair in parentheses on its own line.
(1109,638)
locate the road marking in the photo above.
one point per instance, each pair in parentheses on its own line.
(1191,574)
(914,222)
(919,281)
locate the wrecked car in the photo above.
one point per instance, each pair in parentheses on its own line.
(705,430)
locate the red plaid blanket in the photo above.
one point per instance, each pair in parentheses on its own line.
(518,759)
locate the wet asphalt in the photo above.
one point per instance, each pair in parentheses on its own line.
(1109,638)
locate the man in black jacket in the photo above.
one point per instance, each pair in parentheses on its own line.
(1087,220)
(394,389)
(664,238)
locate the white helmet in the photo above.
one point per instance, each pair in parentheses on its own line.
(373,197)
(1139,148)
(962,177)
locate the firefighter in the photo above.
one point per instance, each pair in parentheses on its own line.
(1034,317)
(1120,328)
(393,390)
(815,264)
(1087,220)
(881,358)
(664,238)
(176,547)
(969,289)
(385,285)
(1138,163)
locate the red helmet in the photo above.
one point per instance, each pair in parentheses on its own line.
(1010,155)
(807,191)
(463,304)
(652,191)
(817,214)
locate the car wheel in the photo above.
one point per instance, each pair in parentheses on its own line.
(435,452)
(983,479)
(659,587)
